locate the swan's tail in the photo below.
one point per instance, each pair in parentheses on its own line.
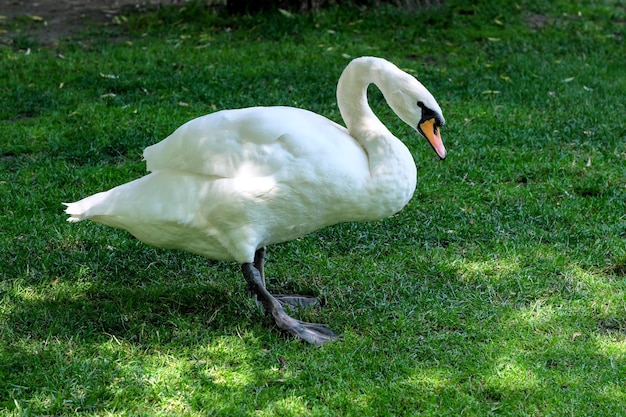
(85,208)
(75,212)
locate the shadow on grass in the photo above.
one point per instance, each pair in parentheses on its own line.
(524,332)
(77,345)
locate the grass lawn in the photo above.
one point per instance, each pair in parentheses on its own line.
(499,290)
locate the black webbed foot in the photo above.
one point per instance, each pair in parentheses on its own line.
(297,300)
(313,333)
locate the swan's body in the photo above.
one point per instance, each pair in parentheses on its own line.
(227,184)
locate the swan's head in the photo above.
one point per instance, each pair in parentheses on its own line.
(414,104)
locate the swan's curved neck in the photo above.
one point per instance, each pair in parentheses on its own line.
(352,98)
(393,174)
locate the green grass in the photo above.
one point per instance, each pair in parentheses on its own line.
(499,290)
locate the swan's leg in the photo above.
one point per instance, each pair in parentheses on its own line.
(292,300)
(259,262)
(316,334)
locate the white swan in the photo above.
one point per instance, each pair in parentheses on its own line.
(228,184)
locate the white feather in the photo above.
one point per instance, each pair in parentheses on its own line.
(228,183)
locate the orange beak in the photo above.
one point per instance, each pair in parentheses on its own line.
(431,133)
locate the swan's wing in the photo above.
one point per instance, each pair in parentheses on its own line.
(254,142)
